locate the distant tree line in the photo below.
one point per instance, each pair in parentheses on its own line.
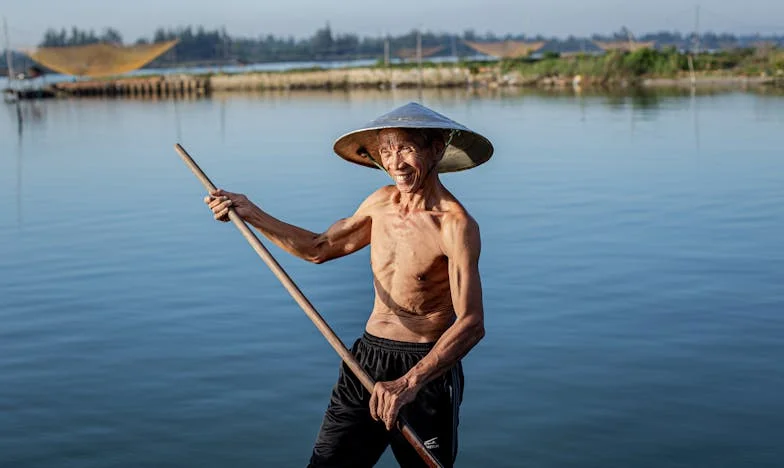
(199,45)
(61,38)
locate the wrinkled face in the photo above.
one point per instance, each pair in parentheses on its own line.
(408,157)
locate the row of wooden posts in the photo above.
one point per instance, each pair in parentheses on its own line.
(157,87)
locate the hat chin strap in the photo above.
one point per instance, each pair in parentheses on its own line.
(452,134)
(373,160)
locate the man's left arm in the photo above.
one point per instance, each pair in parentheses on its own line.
(462,246)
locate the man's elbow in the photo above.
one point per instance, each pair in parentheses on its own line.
(318,259)
(317,256)
(477,330)
(480,332)
(317,252)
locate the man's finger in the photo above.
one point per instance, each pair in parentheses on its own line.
(381,407)
(391,411)
(222,214)
(221,206)
(390,418)
(373,401)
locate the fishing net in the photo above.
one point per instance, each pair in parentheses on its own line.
(505,49)
(98,60)
(412,53)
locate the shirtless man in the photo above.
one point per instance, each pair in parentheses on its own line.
(427,314)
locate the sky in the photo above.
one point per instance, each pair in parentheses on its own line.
(29,19)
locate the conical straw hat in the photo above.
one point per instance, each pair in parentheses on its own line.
(466,148)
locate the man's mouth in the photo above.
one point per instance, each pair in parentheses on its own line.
(403,178)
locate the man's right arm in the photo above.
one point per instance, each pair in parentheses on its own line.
(342,238)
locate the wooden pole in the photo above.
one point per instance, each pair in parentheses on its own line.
(419,55)
(309,310)
(697,30)
(10,62)
(8,57)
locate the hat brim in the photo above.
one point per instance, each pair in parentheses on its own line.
(466,148)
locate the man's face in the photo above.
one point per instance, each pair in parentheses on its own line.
(406,157)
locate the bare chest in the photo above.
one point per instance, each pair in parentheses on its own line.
(408,262)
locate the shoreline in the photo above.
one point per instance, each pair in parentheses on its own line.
(375,78)
(463,77)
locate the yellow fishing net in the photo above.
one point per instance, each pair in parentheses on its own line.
(97,60)
(412,53)
(505,49)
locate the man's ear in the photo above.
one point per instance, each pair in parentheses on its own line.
(438,146)
(438,143)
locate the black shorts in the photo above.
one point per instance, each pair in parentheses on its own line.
(350,438)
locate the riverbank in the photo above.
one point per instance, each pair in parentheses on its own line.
(483,76)
(456,76)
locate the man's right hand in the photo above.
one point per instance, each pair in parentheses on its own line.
(220,201)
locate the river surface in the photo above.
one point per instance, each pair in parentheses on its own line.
(632,263)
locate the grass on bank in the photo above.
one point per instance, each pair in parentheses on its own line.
(644,62)
(651,63)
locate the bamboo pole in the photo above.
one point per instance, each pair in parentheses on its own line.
(11,77)
(8,57)
(309,310)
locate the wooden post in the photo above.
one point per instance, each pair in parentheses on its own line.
(10,62)
(8,56)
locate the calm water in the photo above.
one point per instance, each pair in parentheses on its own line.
(633,269)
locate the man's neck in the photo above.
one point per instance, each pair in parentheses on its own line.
(424,199)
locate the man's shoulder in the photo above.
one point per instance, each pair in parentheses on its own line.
(377,199)
(459,221)
(382,195)
(456,216)
(459,229)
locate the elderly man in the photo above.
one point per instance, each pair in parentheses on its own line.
(427,314)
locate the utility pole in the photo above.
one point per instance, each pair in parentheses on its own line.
(419,62)
(419,55)
(697,30)
(225,44)
(630,38)
(695,46)
(10,63)
(386,51)
(8,57)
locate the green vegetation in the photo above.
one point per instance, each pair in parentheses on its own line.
(650,63)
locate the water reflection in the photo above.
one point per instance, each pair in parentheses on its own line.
(19,170)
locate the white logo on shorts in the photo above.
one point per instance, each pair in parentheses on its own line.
(432,443)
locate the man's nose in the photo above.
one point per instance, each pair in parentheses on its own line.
(395,160)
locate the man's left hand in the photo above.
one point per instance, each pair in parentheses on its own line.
(387,399)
